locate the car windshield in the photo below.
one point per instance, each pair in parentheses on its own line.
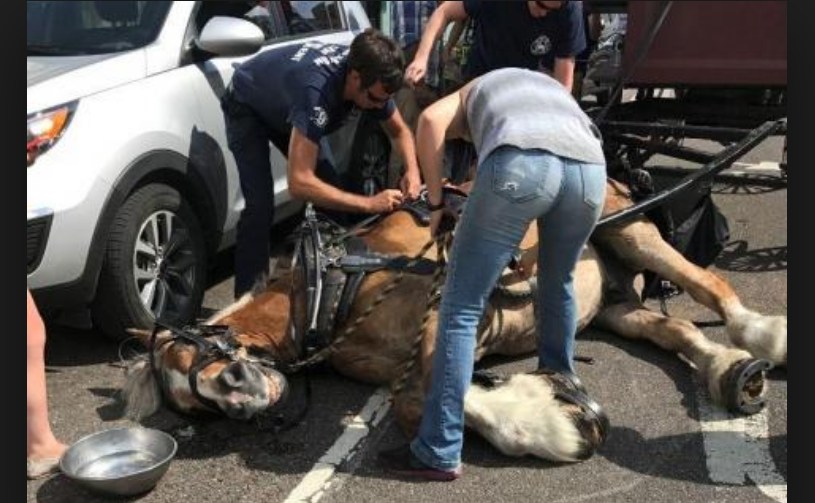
(73,28)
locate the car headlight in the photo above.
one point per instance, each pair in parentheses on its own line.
(45,128)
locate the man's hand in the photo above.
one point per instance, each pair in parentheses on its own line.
(385,201)
(526,264)
(416,71)
(411,185)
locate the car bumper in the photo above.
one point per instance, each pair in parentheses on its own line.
(61,219)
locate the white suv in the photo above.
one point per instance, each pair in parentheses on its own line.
(131,188)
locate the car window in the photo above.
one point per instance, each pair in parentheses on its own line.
(71,28)
(277,20)
(309,17)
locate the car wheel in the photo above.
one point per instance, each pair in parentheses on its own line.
(370,157)
(154,265)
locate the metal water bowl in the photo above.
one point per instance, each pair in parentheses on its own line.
(120,461)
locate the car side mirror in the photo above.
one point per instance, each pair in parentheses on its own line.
(229,36)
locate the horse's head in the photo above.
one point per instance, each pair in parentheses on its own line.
(229,366)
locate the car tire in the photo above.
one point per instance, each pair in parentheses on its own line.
(154,264)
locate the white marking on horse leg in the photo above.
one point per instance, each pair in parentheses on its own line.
(522,417)
(762,335)
(223,313)
(737,449)
(320,477)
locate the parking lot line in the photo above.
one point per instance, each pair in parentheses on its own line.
(737,449)
(319,478)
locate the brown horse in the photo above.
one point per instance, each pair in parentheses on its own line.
(528,414)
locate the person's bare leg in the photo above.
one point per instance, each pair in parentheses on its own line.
(40,440)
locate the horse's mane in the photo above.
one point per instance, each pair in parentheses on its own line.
(140,392)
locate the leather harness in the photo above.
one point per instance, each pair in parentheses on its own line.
(330,263)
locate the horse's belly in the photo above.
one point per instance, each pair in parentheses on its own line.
(588,286)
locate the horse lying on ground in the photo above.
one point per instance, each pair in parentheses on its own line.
(526,414)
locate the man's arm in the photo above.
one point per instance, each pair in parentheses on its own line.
(563,72)
(304,183)
(441,17)
(570,42)
(398,130)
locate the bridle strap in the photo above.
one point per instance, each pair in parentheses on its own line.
(208,352)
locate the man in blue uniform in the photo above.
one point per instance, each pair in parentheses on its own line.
(540,35)
(537,35)
(294,97)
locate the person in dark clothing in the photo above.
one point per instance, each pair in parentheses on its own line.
(537,35)
(293,97)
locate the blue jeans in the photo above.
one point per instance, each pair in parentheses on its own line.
(512,188)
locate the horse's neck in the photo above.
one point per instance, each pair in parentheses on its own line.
(397,234)
(261,322)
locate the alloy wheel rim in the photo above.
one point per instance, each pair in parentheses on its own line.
(164,265)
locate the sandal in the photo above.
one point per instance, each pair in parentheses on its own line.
(39,468)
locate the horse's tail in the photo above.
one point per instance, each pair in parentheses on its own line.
(522,416)
(141,393)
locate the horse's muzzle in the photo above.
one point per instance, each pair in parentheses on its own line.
(250,389)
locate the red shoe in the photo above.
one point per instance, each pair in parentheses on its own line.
(401,460)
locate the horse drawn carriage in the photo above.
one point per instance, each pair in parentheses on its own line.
(696,73)
(364,299)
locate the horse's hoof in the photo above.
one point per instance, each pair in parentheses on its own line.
(487,378)
(592,423)
(563,379)
(743,386)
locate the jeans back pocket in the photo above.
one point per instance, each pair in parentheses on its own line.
(593,179)
(517,175)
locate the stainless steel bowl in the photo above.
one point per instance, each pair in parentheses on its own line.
(120,461)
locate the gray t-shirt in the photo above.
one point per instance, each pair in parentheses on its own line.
(530,110)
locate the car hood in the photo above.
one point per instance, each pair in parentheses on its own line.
(53,80)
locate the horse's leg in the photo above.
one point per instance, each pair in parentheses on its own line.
(639,245)
(733,378)
(523,416)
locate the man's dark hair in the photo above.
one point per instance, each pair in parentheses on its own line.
(377,57)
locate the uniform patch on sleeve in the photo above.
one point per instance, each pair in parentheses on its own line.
(319,117)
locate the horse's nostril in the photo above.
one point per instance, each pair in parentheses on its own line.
(234,375)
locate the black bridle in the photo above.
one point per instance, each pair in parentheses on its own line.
(213,343)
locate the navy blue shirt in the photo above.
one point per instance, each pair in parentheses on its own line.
(300,85)
(506,35)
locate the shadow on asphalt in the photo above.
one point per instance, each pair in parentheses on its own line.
(660,457)
(748,185)
(677,370)
(70,347)
(736,256)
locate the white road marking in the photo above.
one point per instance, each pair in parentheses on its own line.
(737,449)
(760,166)
(319,478)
